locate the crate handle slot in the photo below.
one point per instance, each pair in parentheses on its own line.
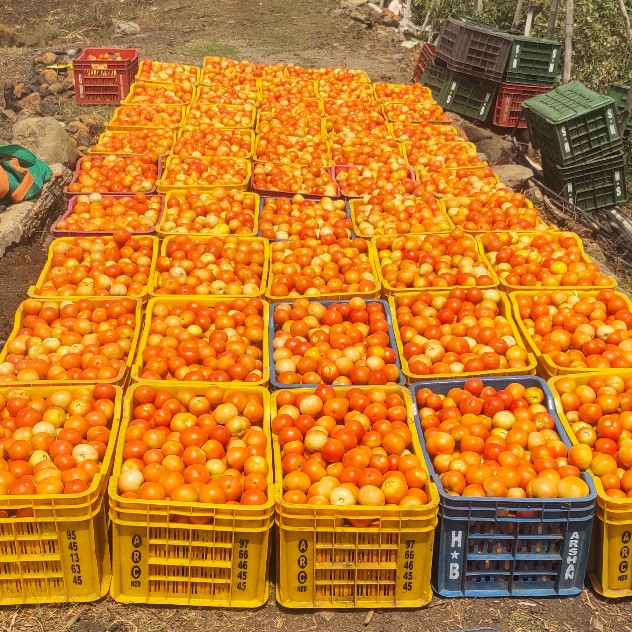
(513,515)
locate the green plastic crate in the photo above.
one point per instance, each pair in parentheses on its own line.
(470,96)
(591,186)
(533,61)
(438,79)
(572,124)
(619,94)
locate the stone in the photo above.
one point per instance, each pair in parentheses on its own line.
(49,109)
(30,103)
(514,176)
(47,139)
(83,138)
(475,133)
(69,85)
(388,18)
(49,75)
(44,89)
(48,59)
(18,89)
(410,43)
(497,150)
(57,87)
(76,127)
(357,3)
(90,122)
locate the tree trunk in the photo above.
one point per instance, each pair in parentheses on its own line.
(626,17)
(517,15)
(529,22)
(407,8)
(568,41)
(555,7)
(478,5)
(623,123)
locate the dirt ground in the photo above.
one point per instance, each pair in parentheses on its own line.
(309,33)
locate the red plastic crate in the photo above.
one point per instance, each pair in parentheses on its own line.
(426,53)
(509,103)
(104,81)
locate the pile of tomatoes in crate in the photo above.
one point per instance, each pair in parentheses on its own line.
(239,225)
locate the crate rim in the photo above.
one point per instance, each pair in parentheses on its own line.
(392,339)
(500,502)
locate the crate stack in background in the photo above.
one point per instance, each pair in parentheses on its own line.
(577,133)
(619,93)
(481,72)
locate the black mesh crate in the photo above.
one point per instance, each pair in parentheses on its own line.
(474,49)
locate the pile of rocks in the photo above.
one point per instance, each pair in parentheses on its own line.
(38,115)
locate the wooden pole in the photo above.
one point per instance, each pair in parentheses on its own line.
(529,21)
(626,17)
(478,5)
(517,15)
(623,123)
(568,42)
(407,9)
(550,29)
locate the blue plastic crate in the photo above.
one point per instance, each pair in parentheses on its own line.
(276,197)
(391,335)
(509,547)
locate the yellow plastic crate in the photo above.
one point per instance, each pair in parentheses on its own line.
(128,100)
(220,559)
(264,276)
(388,290)
(507,287)
(335,296)
(450,129)
(244,132)
(445,203)
(162,187)
(194,123)
(162,233)
(407,144)
(355,203)
(326,162)
(545,362)
(204,300)
(325,562)
(323,128)
(197,95)
(505,310)
(123,373)
(193,70)
(58,551)
(114,126)
(450,195)
(94,152)
(609,559)
(35,290)
(386,83)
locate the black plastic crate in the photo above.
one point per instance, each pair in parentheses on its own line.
(509,547)
(470,96)
(438,79)
(533,61)
(572,124)
(474,49)
(591,186)
(619,94)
